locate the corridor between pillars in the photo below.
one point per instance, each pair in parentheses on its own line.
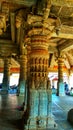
(39,94)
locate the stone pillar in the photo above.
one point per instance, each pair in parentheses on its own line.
(68,73)
(39,97)
(60,87)
(23,75)
(6,77)
(23,57)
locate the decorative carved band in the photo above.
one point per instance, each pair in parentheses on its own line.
(39,53)
(39,42)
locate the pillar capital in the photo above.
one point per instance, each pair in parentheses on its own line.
(23,57)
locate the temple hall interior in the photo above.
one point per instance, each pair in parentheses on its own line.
(36,64)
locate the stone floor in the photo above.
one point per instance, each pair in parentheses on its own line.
(10,117)
(60,108)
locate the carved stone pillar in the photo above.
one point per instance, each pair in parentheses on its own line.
(68,73)
(39,96)
(23,55)
(6,77)
(39,68)
(60,88)
(23,74)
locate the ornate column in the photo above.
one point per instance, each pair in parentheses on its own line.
(22,51)
(23,72)
(68,76)
(39,96)
(6,77)
(60,88)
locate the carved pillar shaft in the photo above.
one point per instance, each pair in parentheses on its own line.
(6,77)
(23,74)
(23,67)
(39,60)
(60,69)
(39,96)
(23,63)
(60,89)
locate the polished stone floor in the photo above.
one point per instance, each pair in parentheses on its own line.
(60,108)
(10,117)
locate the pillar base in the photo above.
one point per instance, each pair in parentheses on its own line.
(40,115)
(41,123)
(22,88)
(4,91)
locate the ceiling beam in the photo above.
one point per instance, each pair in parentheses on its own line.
(22,2)
(64,32)
(67,45)
(68,3)
(7,48)
(2,41)
(12,19)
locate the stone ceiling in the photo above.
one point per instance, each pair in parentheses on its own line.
(62,39)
